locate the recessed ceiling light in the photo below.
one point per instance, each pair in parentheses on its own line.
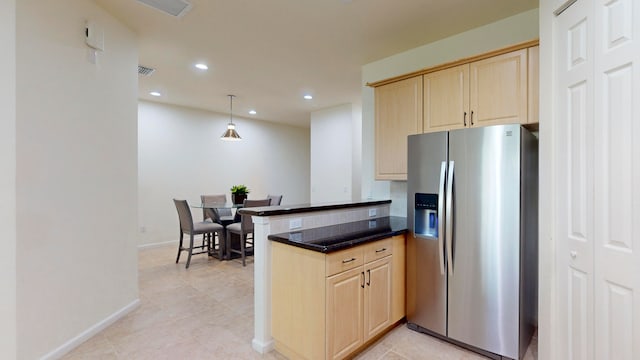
(202,66)
(308,97)
(155,93)
(252,112)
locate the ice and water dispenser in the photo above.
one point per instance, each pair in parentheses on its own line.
(426,215)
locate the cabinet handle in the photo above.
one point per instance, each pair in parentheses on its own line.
(381,250)
(369,273)
(471,117)
(465,118)
(348,260)
(362,280)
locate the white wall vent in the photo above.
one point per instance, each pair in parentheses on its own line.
(172,7)
(146,71)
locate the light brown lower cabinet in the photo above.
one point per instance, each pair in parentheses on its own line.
(345,315)
(327,306)
(359,306)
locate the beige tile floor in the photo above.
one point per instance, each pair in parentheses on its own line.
(206,312)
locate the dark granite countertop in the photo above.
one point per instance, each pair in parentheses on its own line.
(302,208)
(341,236)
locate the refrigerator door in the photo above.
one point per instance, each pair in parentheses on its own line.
(483,286)
(426,274)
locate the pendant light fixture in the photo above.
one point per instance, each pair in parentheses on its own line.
(231,134)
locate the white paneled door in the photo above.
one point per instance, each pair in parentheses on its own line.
(574,200)
(597,86)
(617,179)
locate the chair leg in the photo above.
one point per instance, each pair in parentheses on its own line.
(227,245)
(190,250)
(206,243)
(221,246)
(179,247)
(243,239)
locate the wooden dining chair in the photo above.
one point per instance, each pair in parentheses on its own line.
(244,229)
(275,199)
(187,226)
(221,215)
(208,213)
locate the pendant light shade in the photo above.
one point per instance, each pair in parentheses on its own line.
(231,134)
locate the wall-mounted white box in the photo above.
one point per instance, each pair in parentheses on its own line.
(94,35)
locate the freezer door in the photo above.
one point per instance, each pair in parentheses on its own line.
(483,285)
(426,275)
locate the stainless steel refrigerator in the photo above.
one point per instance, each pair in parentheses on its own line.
(472,252)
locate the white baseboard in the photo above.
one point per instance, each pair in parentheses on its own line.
(261,346)
(90,332)
(158,244)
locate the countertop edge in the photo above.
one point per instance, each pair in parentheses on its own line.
(396,229)
(342,246)
(303,208)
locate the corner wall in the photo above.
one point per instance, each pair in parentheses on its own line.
(547,272)
(181,156)
(331,154)
(512,30)
(356,150)
(8,179)
(76,175)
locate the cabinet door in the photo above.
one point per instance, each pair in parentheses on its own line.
(345,301)
(398,114)
(498,90)
(533,83)
(377,297)
(446,99)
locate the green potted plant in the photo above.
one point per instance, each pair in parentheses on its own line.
(239,193)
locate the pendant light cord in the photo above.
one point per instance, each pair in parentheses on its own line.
(231,108)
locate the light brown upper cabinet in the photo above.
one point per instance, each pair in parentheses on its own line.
(446,99)
(486,92)
(398,109)
(534,85)
(498,90)
(498,87)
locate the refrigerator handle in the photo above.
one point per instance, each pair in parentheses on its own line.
(443,174)
(449,216)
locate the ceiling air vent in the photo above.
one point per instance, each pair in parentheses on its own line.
(172,7)
(146,71)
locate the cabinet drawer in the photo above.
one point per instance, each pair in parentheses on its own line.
(344,260)
(377,250)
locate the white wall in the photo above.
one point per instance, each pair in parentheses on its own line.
(76,174)
(356,150)
(8,179)
(516,29)
(547,263)
(181,156)
(332,154)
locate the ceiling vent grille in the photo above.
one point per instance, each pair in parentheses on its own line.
(175,8)
(145,71)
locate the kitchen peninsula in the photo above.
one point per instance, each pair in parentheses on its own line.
(324,231)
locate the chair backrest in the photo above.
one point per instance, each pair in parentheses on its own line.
(216,199)
(222,198)
(184,215)
(275,199)
(245,223)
